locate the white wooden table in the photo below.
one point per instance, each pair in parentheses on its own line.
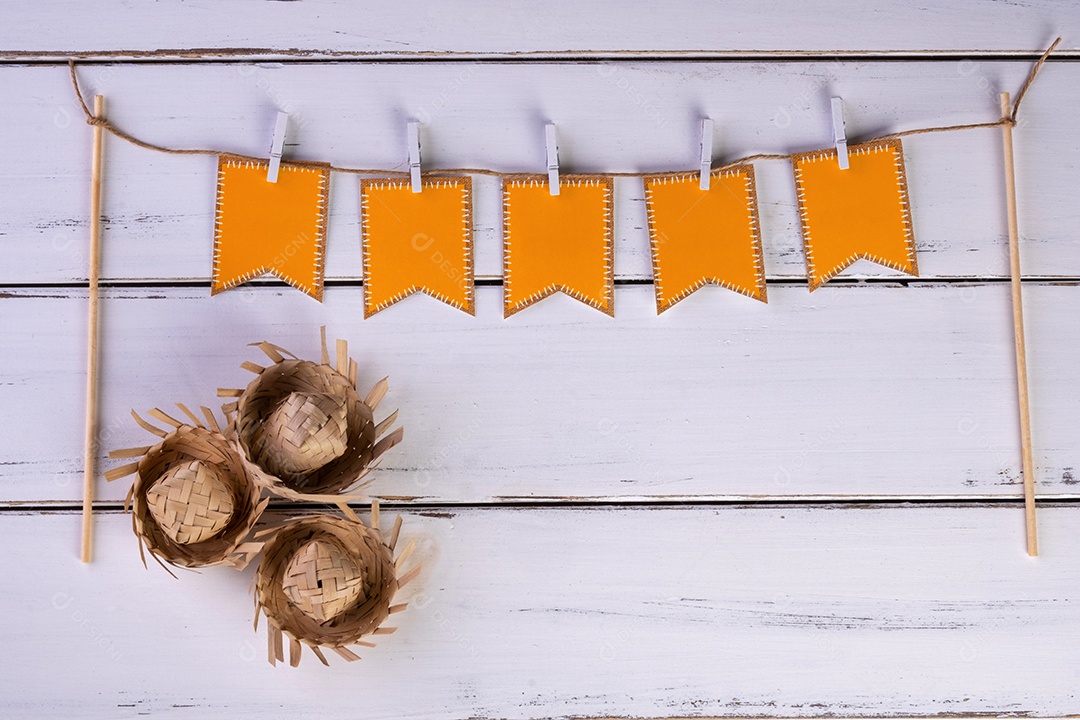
(807,508)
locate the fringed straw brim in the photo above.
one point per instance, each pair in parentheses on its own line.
(360,550)
(190,529)
(303,429)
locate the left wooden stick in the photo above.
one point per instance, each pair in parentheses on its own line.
(90,449)
(1007,113)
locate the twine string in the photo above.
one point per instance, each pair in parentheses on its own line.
(104,122)
(1031,76)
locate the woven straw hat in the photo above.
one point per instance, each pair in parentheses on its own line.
(328,582)
(193,501)
(302,428)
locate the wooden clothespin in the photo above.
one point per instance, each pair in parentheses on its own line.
(413,135)
(277,146)
(552,158)
(706,152)
(839,132)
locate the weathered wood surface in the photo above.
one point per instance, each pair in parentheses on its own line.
(727,611)
(865,390)
(560,28)
(867,393)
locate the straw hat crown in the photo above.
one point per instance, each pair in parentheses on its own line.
(322,580)
(191,502)
(328,582)
(303,429)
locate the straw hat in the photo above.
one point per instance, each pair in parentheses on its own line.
(193,501)
(301,427)
(328,582)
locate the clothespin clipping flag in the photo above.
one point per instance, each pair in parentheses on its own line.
(270,227)
(558,243)
(704,237)
(417,242)
(861,212)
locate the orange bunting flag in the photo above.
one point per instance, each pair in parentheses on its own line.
(417,242)
(554,243)
(858,213)
(704,237)
(263,227)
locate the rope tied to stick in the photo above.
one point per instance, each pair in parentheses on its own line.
(93,120)
(1031,78)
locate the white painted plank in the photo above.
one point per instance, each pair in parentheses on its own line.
(561,27)
(853,390)
(612,116)
(730,612)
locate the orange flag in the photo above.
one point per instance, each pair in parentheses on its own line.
(861,212)
(555,243)
(417,242)
(704,237)
(263,227)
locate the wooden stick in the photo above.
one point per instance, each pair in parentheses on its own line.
(90,448)
(1018,332)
